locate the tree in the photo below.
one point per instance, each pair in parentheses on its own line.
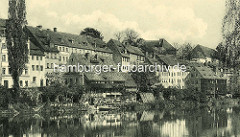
(119,35)
(17,39)
(184,51)
(221,52)
(231,32)
(131,36)
(92,33)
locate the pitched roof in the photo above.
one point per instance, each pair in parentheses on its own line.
(134,50)
(120,47)
(207,72)
(34,50)
(72,40)
(158,45)
(201,52)
(169,59)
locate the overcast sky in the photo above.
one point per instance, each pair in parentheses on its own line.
(195,21)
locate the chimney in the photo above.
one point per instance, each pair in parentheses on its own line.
(55,29)
(39,27)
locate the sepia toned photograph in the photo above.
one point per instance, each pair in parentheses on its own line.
(127,68)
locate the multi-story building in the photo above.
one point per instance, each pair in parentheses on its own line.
(33,73)
(126,54)
(58,46)
(204,79)
(175,75)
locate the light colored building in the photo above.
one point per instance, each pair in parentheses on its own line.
(32,75)
(177,73)
(58,46)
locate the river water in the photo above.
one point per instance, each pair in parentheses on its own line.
(175,123)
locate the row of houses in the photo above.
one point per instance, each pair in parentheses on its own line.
(50,47)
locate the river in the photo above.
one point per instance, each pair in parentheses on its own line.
(172,123)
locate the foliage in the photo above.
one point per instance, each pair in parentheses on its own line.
(184,51)
(5,97)
(92,33)
(221,52)
(231,33)
(17,39)
(128,35)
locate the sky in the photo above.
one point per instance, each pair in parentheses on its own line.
(178,21)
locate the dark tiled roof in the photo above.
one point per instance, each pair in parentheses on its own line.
(134,50)
(67,39)
(34,50)
(169,59)
(201,52)
(207,72)
(120,47)
(158,45)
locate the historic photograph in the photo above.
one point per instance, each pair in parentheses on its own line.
(127,68)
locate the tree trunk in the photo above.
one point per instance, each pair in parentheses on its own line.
(15,76)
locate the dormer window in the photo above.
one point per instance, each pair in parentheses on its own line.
(84,43)
(71,41)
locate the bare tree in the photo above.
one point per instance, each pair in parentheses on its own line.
(119,35)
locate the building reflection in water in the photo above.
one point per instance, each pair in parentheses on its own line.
(198,123)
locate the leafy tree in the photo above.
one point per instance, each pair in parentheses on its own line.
(184,52)
(231,32)
(92,33)
(17,39)
(221,52)
(131,36)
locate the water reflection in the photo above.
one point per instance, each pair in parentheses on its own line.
(191,123)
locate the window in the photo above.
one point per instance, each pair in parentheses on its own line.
(6,83)
(51,65)
(41,68)
(34,79)
(32,57)
(37,57)
(66,49)
(47,65)
(63,49)
(63,58)
(3,58)
(41,58)
(66,58)
(26,83)
(60,48)
(26,71)
(37,68)
(3,71)
(21,83)
(9,70)
(55,56)
(33,68)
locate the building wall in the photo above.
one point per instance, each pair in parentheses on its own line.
(1,39)
(173,79)
(37,71)
(24,79)
(136,59)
